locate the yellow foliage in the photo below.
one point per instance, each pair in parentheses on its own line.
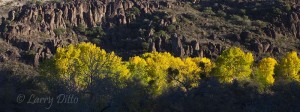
(289,67)
(233,64)
(265,71)
(160,71)
(80,63)
(206,64)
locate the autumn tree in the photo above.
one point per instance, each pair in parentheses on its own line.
(233,64)
(161,71)
(151,70)
(186,74)
(205,64)
(289,67)
(264,72)
(82,63)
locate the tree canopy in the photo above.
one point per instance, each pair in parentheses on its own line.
(289,67)
(233,64)
(160,71)
(80,64)
(265,71)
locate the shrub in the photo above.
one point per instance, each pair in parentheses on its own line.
(59,31)
(276,11)
(171,28)
(96,32)
(241,21)
(161,33)
(189,16)
(133,11)
(136,11)
(145,46)
(82,38)
(221,13)
(259,23)
(242,11)
(80,28)
(39,3)
(39,19)
(96,41)
(287,7)
(208,10)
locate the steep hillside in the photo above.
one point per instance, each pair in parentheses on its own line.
(197,28)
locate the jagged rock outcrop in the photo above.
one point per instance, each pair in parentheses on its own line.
(41,29)
(177,47)
(32,27)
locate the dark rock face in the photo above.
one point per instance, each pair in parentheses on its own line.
(31,28)
(57,15)
(177,47)
(35,28)
(245,36)
(158,45)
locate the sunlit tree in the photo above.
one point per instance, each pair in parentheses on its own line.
(265,71)
(81,64)
(205,64)
(233,64)
(151,70)
(289,66)
(161,71)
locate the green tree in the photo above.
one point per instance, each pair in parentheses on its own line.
(233,64)
(289,66)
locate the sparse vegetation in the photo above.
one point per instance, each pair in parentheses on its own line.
(259,23)
(171,28)
(161,33)
(208,10)
(221,13)
(145,46)
(189,16)
(240,20)
(95,32)
(80,28)
(59,31)
(39,19)
(133,11)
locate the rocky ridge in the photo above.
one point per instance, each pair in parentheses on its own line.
(31,29)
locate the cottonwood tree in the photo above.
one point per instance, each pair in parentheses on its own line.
(233,64)
(289,67)
(88,69)
(264,72)
(161,71)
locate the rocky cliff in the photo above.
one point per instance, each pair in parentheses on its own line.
(135,26)
(31,27)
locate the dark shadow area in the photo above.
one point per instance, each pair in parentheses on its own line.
(105,96)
